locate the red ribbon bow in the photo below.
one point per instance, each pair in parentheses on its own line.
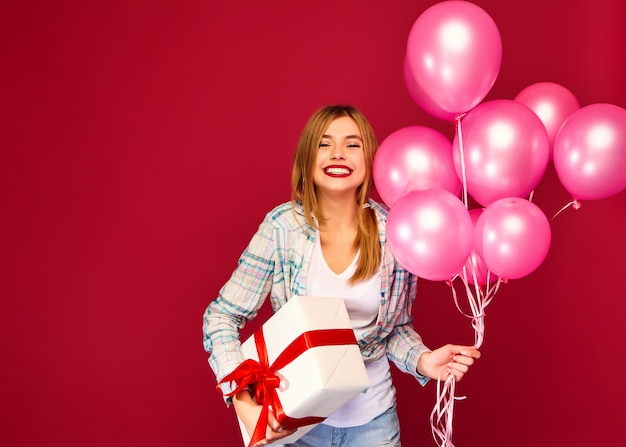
(262,376)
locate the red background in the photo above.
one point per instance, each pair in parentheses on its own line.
(143,141)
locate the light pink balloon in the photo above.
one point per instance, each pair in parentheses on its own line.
(475,266)
(590,152)
(430,233)
(421,98)
(505,150)
(454,51)
(552,103)
(412,158)
(513,237)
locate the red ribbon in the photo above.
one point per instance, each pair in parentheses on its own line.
(262,376)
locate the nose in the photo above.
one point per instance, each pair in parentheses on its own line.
(338,154)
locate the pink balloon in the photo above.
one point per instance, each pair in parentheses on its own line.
(513,237)
(475,267)
(430,233)
(590,152)
(552,103)
(454,51)
(421,98)
(505,150)
(412,158)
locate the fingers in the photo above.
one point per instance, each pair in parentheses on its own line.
(469,351)
(463,357)
(273,424)
(272,435)
(275,430)
(454,359)
(457,369)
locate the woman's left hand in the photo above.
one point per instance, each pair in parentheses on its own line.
(455,359)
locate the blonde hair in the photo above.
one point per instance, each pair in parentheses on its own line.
(303,189)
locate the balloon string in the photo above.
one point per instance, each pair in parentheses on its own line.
(443,412)
(462,156)
(478,301)
(574,204)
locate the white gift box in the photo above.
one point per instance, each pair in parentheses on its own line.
(321,379)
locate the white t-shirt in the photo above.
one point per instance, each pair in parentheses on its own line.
(362,301)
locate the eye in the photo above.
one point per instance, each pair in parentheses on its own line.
(324,144)
(354,145)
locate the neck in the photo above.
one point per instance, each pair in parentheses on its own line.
(338,212)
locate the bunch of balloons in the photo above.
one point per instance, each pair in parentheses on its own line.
(499,154)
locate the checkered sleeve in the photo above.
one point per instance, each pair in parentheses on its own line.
(404,344)
(238,301)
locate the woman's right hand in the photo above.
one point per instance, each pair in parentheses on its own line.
(249,411)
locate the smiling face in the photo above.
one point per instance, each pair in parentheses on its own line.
(340,163)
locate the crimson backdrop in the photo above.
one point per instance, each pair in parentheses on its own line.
(143,141)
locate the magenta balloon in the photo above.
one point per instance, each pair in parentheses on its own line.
(513,237)
(430,233)
(412,158)
(421,98)
(505,150)
(454,51)
(552,103)
(475,266)
(590,152)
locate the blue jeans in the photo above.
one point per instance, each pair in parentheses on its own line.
(382,431)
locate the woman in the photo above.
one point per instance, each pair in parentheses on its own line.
(330,241)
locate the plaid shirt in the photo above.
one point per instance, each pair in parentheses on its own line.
(276,263)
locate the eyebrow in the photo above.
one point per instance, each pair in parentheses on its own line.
(347,137)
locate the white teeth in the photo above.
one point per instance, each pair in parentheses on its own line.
(338,171)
